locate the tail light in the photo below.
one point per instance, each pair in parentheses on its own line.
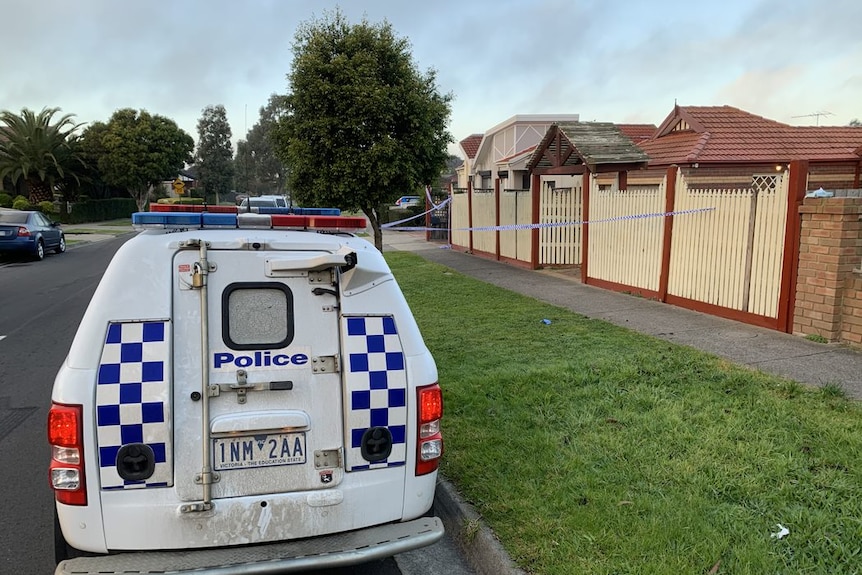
(23,232)
(429,443)
(65,434)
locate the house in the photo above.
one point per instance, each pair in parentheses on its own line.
(532,186)
(704,211)
(505,148)
(469,146)
(725,147)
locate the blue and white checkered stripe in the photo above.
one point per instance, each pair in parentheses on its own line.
(132,400)
(376,388)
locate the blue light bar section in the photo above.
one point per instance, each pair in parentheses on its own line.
(167,219)
(316,211)
(219,220)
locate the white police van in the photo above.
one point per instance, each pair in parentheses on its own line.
(246,393)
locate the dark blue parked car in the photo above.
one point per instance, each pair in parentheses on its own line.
(29,233)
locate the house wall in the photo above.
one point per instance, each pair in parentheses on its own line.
(832,176)
(829,281)
(510,139)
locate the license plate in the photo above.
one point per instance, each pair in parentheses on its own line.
(267,450)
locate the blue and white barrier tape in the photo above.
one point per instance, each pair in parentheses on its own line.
(511,227)
(423,214)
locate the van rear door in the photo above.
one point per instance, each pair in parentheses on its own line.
(269,338)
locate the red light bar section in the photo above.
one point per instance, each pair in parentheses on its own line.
(288,221)
(343,223)
(336,222)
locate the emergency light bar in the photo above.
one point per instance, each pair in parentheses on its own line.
(193,217)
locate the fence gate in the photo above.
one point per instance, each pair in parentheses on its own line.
(561,245)
(731,256)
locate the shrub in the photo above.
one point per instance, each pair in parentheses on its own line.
(20,203)
(46,207)
(183,201)
(5,200)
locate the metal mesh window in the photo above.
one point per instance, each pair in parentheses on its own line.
(257,316)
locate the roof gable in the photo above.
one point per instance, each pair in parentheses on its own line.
(470,145)
(599,146)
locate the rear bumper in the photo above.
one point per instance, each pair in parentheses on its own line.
(18,245)
(339,550)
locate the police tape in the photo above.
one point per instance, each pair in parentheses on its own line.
(434,207)
(516,227)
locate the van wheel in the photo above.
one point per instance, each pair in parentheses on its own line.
(63,550)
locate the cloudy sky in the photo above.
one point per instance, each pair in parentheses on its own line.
(607,60)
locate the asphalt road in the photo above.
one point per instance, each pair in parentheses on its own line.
(42,304)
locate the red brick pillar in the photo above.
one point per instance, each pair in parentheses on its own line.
(827,289)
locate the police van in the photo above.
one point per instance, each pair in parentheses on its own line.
(246,393)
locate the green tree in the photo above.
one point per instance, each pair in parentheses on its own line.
(258,169)
(855,123)
(141,150)
(214,156)
(38,151)
(93,183)
(362,125)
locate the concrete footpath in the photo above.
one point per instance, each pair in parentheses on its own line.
(770,351)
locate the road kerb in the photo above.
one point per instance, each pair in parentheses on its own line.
(474,539)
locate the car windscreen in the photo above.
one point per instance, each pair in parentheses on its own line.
(13,218)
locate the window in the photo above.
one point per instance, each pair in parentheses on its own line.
(257,315)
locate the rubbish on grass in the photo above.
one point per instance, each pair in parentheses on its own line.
(782,532)
(546,321)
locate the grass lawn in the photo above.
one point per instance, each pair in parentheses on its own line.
(591,449)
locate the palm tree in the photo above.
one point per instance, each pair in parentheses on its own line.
(39,152)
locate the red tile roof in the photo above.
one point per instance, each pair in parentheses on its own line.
(638,132)
(724,134)
(470,145)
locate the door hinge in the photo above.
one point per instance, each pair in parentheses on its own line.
(327,459)
(325,364)
(324,277)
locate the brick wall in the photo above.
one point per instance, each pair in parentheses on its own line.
(832,176)
(828,290)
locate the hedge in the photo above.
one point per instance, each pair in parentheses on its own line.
(99,211)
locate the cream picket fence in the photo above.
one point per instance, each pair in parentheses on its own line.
(623,249)
(515,209)
(730,256)
(460,220)
(484,215)
(561,245)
